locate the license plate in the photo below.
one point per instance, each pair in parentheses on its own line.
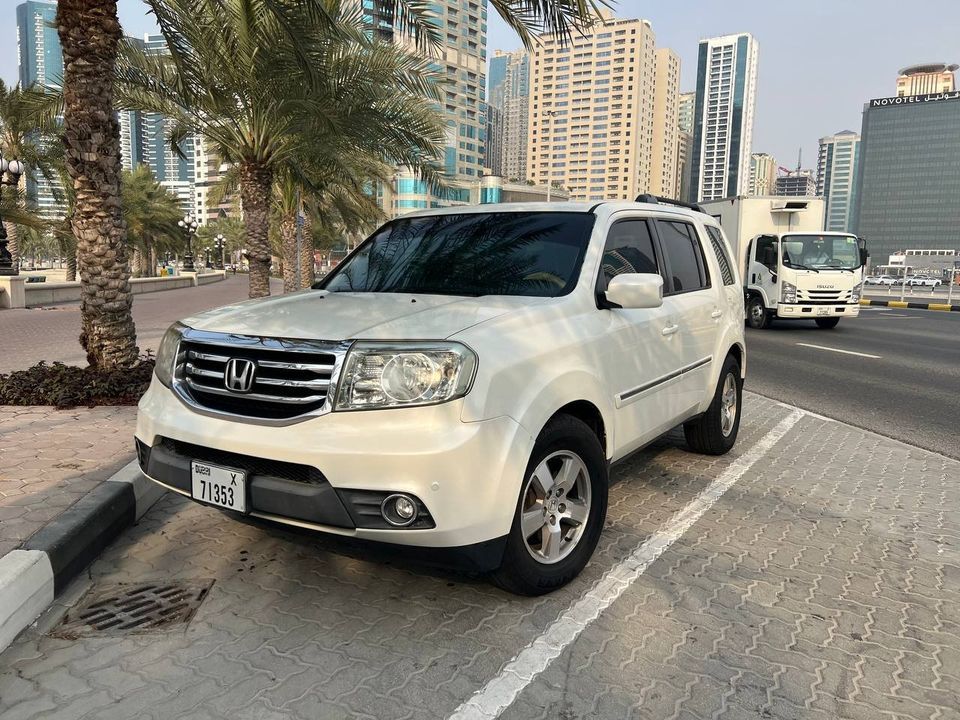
(823,311)
(221,486)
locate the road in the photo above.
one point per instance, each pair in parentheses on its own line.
(899,375)
(51,333)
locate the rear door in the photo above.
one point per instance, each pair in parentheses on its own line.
(691,298)
(641,353)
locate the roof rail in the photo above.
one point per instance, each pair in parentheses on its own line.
(648,198)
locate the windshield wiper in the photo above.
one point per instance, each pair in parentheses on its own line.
(800,267)
(838,267)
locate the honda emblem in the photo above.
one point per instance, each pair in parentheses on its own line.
(239,374)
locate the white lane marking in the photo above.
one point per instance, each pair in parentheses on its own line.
(838,350)
(500,692)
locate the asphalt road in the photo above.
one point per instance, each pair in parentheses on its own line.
(902,380)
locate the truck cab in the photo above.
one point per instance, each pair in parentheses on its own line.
(803,276)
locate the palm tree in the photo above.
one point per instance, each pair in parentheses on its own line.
(151,212)
(89,35)
(27,117)
(267,83)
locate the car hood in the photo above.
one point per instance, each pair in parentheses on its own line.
(321,315)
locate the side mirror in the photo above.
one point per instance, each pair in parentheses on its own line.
(633,291)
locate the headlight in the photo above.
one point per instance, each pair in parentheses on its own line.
(788,292)
(857,291)
(167,354)
(384,375)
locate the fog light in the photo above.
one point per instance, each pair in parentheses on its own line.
(399,509)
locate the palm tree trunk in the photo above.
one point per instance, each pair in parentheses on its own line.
(306,256)
(137,263)
(288,242)
(89,34)
(13,247)
(256,183)
(151,259)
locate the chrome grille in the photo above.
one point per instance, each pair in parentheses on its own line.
(291,378)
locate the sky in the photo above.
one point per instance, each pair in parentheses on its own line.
(820,60)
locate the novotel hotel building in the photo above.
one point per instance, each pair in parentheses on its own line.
(908,179)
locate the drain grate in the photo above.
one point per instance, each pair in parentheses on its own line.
(125,608)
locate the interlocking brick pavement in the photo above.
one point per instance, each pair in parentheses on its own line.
(51,458)
(824,584)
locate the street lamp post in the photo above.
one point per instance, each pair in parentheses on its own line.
(189,225)
(13,168)
(219,243)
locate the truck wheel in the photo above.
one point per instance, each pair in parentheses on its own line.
(827,323)
(757,315)
(560,513)
(715,432)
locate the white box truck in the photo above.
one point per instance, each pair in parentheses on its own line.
(792,269)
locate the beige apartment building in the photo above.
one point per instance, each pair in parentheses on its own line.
(666,124)
(593,120)
(763,174)
(926,79)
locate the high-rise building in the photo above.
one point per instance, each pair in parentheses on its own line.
(688,102)
(797,183)
(493,158)
(763,174)
(685,143)
(836,177)
(462,26)
(926,79)
(38,45)
(723,116)
(510,93)
(40,62)
(592,111)
(664,179)
(174,171)
(908,180)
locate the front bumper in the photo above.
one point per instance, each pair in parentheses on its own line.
(811,312)
(309,474)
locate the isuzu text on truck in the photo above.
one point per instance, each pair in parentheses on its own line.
(792,269)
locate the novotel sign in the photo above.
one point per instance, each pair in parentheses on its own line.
(913,99)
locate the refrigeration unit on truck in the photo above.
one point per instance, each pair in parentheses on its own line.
(792,269)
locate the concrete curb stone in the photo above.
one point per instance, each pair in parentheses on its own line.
(944,307)
(31,577)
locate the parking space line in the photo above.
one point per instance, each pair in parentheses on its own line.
(838,350)
(500,692)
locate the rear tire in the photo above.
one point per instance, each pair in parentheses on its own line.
(715,432)
(827,323)
(532,563)
(757,316)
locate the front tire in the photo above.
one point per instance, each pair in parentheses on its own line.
(560,512)
(715,432)
(827,323)
(757,316)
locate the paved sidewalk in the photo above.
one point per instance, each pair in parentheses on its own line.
(51,333)
(825,583)
(51,458)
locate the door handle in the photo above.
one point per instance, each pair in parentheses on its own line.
(670,329)
(716,313)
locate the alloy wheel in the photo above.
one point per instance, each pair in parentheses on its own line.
(728,405)
(555,507)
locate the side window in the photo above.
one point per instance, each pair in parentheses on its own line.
(720,250)
(766,253)
(629,249)
(684,256)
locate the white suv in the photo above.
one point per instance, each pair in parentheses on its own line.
(461,381)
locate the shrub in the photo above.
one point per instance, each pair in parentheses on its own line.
(67,386)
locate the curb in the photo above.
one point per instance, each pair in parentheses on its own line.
(944,307)
(31,577)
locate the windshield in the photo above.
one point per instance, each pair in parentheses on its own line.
(821,252)
(534,254)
